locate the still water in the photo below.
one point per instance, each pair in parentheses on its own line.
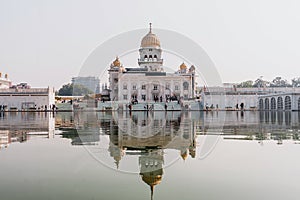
(155,155)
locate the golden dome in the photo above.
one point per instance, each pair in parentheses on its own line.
(150,40)
(182,66)
(117,62)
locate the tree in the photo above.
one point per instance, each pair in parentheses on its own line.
(279,82)
(245,84)
(261,83)
(73,90)
(296,82)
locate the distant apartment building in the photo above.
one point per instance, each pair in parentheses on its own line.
(90,82)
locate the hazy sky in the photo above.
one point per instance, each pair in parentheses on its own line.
(46,42)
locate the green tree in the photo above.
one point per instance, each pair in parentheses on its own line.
(280,82)
(245,84)
(296,82)
(261,83)
(75,90)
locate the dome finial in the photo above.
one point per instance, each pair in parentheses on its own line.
(150,26)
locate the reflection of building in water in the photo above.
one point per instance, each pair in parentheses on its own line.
(21,126)
(82,129)
(143,131)
(148,135)
(4,139)
(264,125)
(151,167)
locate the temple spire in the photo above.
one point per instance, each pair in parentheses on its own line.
(150,26)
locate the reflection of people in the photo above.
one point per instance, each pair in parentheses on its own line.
(242,106)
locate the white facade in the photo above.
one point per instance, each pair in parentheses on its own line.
(27,99)
(5,82)
(149,81)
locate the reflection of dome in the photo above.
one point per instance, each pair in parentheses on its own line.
(184,155)
(150,40)
(117,62)
(182,66)
(152,180)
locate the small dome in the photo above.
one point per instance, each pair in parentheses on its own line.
(150,40)
(117,62)
(182,66)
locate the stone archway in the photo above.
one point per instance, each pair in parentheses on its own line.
(273,103)
(267,104)
(261,104)
(287,103)
(279,103)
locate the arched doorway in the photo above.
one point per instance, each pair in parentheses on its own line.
(273,103)
(267,104)
(261,104)
(279,103)
(287,103)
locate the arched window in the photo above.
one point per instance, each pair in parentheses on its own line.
(261,104)
(150,56)
(287,103)
(273,103)
(279,103)
(155,56)
(145,56)
(267,104)
(185,85)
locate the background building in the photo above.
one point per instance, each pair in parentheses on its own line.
(90,82)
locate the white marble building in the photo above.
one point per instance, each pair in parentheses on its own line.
(5,82)
(149,82)
(16,99)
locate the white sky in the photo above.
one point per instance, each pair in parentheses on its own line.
(45,42)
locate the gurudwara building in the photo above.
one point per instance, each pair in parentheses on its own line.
(150,82)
